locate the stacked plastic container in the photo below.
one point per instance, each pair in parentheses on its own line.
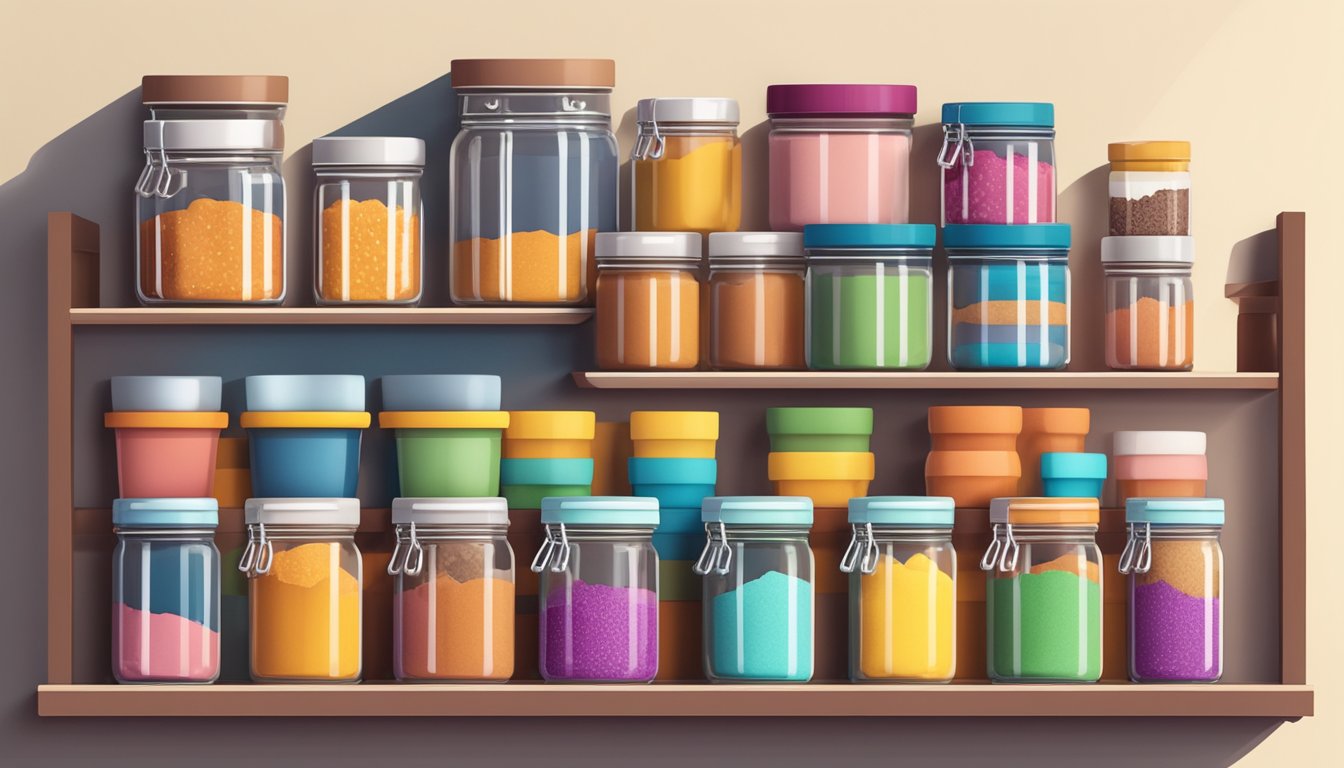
(1155,464)
(821,453)
(449,431)
(974,457)
(547,453)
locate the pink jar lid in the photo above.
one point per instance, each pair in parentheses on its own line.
(1158,467)
(810,99)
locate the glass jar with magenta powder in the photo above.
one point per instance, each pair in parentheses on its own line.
(648,300)
(756,305)
(687,166)
(998,163)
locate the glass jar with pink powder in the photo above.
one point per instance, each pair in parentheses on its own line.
(839,154)
(998,163)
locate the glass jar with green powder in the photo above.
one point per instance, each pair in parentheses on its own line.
(1043,592)
(869,296)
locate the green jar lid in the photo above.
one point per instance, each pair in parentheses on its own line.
(819,421)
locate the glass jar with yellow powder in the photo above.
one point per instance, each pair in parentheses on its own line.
(902,589)
(305,582)
(687,165)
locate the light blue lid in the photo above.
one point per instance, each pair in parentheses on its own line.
(672,471)
(305,392)
(165,513)
(546,471)
(1090,466)
(1027,114)
(903,511)
(441,392)
(757,510)
(989,236)
(601,511)
(870,236)
(1175,511)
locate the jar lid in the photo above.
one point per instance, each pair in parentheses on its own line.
(166,393)
(214,90)
(304,392)
(166,420)
(819,421)
(1158,443)
(546,471)
(600,511)
(463,511)
(819,465)
(533,73)
(1175,511)
(973,464)
(298,512)
(551,425)
(687,110)
(756,247)
(757,510)
(1006,113)
(206,135)
(920,236)
(975,419)
(441,392)
(617,247)
(1089,466)
(1148,151)
(903,511)
(674,425)
(443,420)
(165,513)
(994,236)
(816,99)
(643,470)
(1036,510)
(304,420)
(369,150)
(1148,249)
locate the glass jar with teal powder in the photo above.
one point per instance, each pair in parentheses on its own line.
(758,596)
(869,296)
(1043,594)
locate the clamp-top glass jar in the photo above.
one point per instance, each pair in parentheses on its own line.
(534,175)
(687,166)
(998,161)
(211,199)
(1150,302)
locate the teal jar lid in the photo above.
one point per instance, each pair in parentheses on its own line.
(1044,237)
(1091,466)
(1175,511)
(545,471)
(819,421)
(912,236)
(757,510)
(903,511)
(600,511)
(644,470)
(165,513)
(1027,114)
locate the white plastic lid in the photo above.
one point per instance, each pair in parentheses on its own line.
(1148,249)
(302,512)
(740,246)
(369,150)
(178,135)
(687,110)
(451,511)
(652,246)
(1153,443)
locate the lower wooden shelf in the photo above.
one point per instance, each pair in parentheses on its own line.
(960,380)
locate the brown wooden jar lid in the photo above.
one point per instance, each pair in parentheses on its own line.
(251,90)
(534,73)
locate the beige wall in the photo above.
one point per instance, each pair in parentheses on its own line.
(1256,85)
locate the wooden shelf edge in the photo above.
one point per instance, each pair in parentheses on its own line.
(328,316)
(927,380)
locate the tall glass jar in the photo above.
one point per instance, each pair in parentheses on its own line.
(998,163)
(758,595)
(534,172)
(648,300)
(453,590)
(902,589)
(1175,566)
(756,306)
(1043,592)
(1150,188)
(1150,302)
(305,590)
(598,590)
(165,591)
(368,222)
(687,166)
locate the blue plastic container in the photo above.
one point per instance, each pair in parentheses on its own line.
(1073,475)
(680,535)
(290,463)
(676,483)
(525,482)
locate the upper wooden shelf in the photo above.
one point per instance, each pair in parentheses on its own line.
(925,380)
(328,315)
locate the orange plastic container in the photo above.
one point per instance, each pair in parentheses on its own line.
(972,478)
(975,427)
(166,454)
(1048,430)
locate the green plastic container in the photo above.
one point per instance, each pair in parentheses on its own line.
(447,453)
(794,430)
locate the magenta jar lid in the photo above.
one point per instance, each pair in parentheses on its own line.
(797,100)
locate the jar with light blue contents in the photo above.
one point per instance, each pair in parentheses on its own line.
(758,589)
(1008,296)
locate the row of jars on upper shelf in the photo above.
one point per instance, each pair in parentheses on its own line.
(844,283)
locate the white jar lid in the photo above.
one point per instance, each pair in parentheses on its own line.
(369,150)
(1154,443)
(181,135)
(299,512)
(651,246)
(451,511)
(1148,249)
(688,110)
(747,245)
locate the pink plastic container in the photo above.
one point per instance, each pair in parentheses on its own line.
(166,454)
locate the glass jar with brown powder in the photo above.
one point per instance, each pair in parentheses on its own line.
(756,300)
(648,300)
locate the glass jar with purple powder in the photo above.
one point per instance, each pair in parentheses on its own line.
(598,593)
(1175,566)
(998,162)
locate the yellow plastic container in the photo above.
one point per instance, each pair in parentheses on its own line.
(550,435)
(829,479)
(674,434)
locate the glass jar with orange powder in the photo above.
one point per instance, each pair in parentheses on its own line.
(648,300)
(756,300)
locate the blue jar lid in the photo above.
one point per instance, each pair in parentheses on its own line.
(165,513)
(757,510)
(545,471)
(869,236)
(672,471)
(903,511)
(991,236)
(1175,511)
(1091,466)
(1024,113)
(601,511)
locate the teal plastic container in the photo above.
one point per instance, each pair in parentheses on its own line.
(675,483)
(1073,475)
(680,535)
(525,482)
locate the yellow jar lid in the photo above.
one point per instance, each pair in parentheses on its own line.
(166,420)
(817,465)
(674,425)
(305,420)
(1149,156)
(551,425)
(443,419)
(1031,510)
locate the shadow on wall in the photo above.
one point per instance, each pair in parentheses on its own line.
(1083,204)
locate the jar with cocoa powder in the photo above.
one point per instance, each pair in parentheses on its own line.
(756,305)
(1150,188)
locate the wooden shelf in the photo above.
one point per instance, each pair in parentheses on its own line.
(328,315)
(926,380)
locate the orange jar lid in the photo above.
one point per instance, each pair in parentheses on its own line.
(1149,155)
(166,420)
(973,464)
(1034,510)
(975,419)
(443,419)
(304,420)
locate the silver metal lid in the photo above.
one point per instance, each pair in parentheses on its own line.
(299,512)
(651,246)
(752,247)
(688,110)
(1148,249)
(369,150)
(451,511)
(209,135)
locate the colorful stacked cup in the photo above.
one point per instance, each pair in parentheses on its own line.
(1049,430)
(1161,464)
(305,434)
(974,456)
(1073,475)
(449,431)
(821,453)
(547,453)
(167,431)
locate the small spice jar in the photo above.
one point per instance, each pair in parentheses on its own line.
(869,296)
(1150,188)
(687,165)
(305,583)
(165,591)
(598,590)
(648,300)
(453,590)
(368,219)
(1175,566)
(902,588)
(1043,593)
(756,306)
(758,597)
(1150,302)
(998,161)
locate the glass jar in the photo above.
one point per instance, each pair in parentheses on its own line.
(687,166)
(902,589)
(1175,566)
(165,591)
(648,300)
(534,172)
(839,154)
(756,307)
(869,296)
(1043,591)
(1150,188)
(757,599)
(1008,296)
(305,583)
(998,161)
(367,219)
(598,590)
(1150,302)
(453,590)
